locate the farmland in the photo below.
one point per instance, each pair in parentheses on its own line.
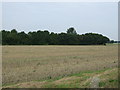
(23,64)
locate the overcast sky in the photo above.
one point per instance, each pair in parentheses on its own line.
(96,17)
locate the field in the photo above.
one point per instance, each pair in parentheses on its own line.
(58,66)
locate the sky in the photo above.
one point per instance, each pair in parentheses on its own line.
(85,17)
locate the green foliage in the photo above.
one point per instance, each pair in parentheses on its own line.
(102,84)
(45,38)
(0,37)
(71,31)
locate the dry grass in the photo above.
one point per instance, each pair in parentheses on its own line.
(107,79)
(35,63)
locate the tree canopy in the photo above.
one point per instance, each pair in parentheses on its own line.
(46,38)
(71,31)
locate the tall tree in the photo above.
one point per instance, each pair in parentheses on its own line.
(71,31)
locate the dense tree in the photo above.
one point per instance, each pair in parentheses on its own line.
(53,39)
(111,41)
(0,38)
(23,38)
(93,39)
(45,38)
(71,31)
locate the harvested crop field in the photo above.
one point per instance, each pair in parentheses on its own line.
(22,64)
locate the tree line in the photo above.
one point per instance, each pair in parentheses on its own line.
(46,38)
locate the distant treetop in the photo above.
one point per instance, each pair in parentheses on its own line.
(71,31)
